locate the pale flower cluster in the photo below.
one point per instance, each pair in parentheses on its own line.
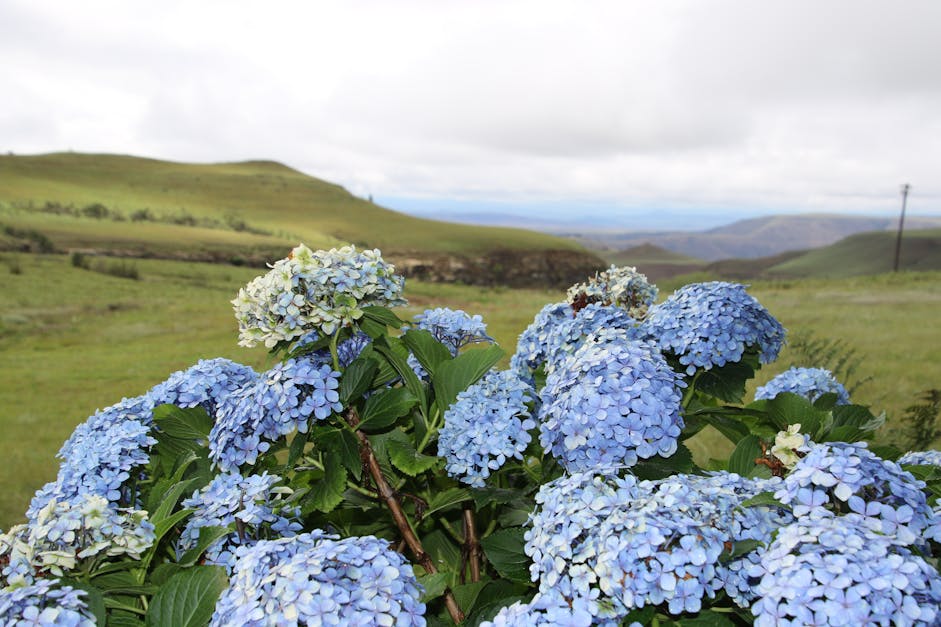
(314,291)
(787,444)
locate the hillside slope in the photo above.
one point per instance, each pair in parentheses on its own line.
(265,206)
(866,253)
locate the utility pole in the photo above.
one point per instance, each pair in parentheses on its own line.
(898,240)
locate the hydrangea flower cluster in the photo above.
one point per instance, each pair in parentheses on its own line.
(921,458)
(67,532)
(318,291)
(609,404)
(453,327)
(850,478)
(550,608)
(622,287)
(532,347)
(318,579)
(612,544)
(44,603)
(811,383)
(347,350)
(842,570)
(203,385)
(564,336)
(278,402)
(712,324)
(251,503)
(101,454)
(487,424)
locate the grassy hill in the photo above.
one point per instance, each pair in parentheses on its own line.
(655,262)
(866,253)
(145,207)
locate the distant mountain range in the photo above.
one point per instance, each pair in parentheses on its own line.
(754,237)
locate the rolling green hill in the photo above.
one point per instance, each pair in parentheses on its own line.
(866,253)
(254,209)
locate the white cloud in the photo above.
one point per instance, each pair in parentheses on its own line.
(787,106)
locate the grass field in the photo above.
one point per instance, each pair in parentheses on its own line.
(73,341)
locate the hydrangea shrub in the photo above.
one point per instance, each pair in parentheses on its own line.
(386,471)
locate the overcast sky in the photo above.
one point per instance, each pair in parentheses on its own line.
(722,106)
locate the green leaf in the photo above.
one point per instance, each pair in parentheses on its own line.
(186,424)
(495,596)
(297,449)
(661,467)
(504,549)
(742,460)
(466,595)
(763,499)
(342,443)
(434,585)
(387,347)
(403,455)
(188,599)
(787,409)
(727,382)
(706,618)
(207,536)
(356,379)
(384,408)
(445,554)
(740,548)
(384,316)
(427,350)
(730,427)
(327,493)
(488,496)
(456,375)
(170,499)
(447,500)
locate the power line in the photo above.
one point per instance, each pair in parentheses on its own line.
(898,240)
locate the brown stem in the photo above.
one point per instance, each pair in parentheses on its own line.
(471,544)
(387,494)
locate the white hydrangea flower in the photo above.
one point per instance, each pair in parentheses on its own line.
(787,444)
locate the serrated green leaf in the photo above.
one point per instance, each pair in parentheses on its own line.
(385,407)
(342,443)
(327,493)
(504,549)
(730,427)
(763,499)
(660,467)
(383,315)
(454,376)
(356,379)
(186,424)
(727,382)
(389,348)
(403,455)
(742,460)
(434,585)
(487,496)
(207,537)
(427,350)
(296,451)
(447,500)
(188,599)
(169,499)
(466,595)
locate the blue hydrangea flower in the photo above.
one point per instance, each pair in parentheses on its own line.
(203,385)
(45,603)
(616,544)
(281,400)
(921,458)
(347,350)
(849,477)
(314,291)
(253,501)
(101,454)
(488,424)
(712,324)
(453,327)
(622,287)
(318,579)
(811,383)
(556,334)
(550,608)
(615,400)
(842,570)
